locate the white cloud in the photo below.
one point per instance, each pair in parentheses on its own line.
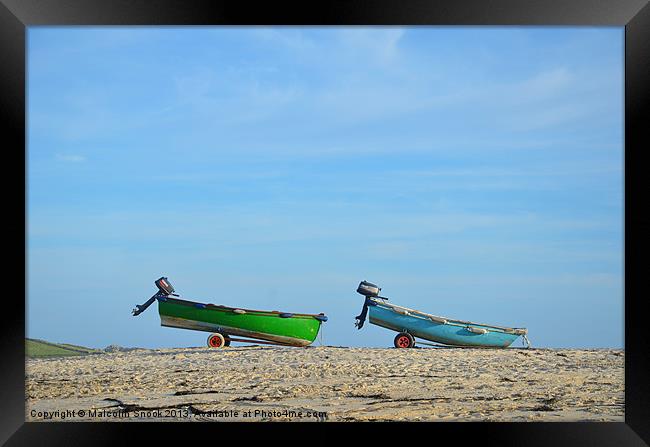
(291,38)
(379,43)
(71,158)
(543,85)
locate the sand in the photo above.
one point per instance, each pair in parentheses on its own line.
(265,383)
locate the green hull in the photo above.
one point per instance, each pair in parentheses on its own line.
(294,330)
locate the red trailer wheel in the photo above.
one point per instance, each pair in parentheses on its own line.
(216,340)
(404,340)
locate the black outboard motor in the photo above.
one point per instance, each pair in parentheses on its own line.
(165,288)
(369,290)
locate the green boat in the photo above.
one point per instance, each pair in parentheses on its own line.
(227,323)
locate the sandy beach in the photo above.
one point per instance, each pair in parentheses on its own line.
(261,383)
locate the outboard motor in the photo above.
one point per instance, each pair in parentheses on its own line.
(368,289)
(165,288)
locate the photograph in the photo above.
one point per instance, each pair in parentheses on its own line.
(332,223)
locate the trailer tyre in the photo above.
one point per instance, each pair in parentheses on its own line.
(404,340)
(216,340)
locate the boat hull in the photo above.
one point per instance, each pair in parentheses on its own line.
(276,327)
(449,333)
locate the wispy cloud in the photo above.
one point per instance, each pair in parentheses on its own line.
(380,44)
(71,158)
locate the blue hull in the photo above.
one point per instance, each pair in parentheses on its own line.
(451,332)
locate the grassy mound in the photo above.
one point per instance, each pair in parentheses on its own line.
(41,348)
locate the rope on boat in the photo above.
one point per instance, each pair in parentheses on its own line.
(524,340)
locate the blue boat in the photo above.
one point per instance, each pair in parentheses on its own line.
(410,323)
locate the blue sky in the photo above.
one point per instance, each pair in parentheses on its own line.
(472,172)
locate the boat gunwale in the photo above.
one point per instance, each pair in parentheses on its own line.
(267,313)
(450,321)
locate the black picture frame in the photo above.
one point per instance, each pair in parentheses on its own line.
(634,15)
